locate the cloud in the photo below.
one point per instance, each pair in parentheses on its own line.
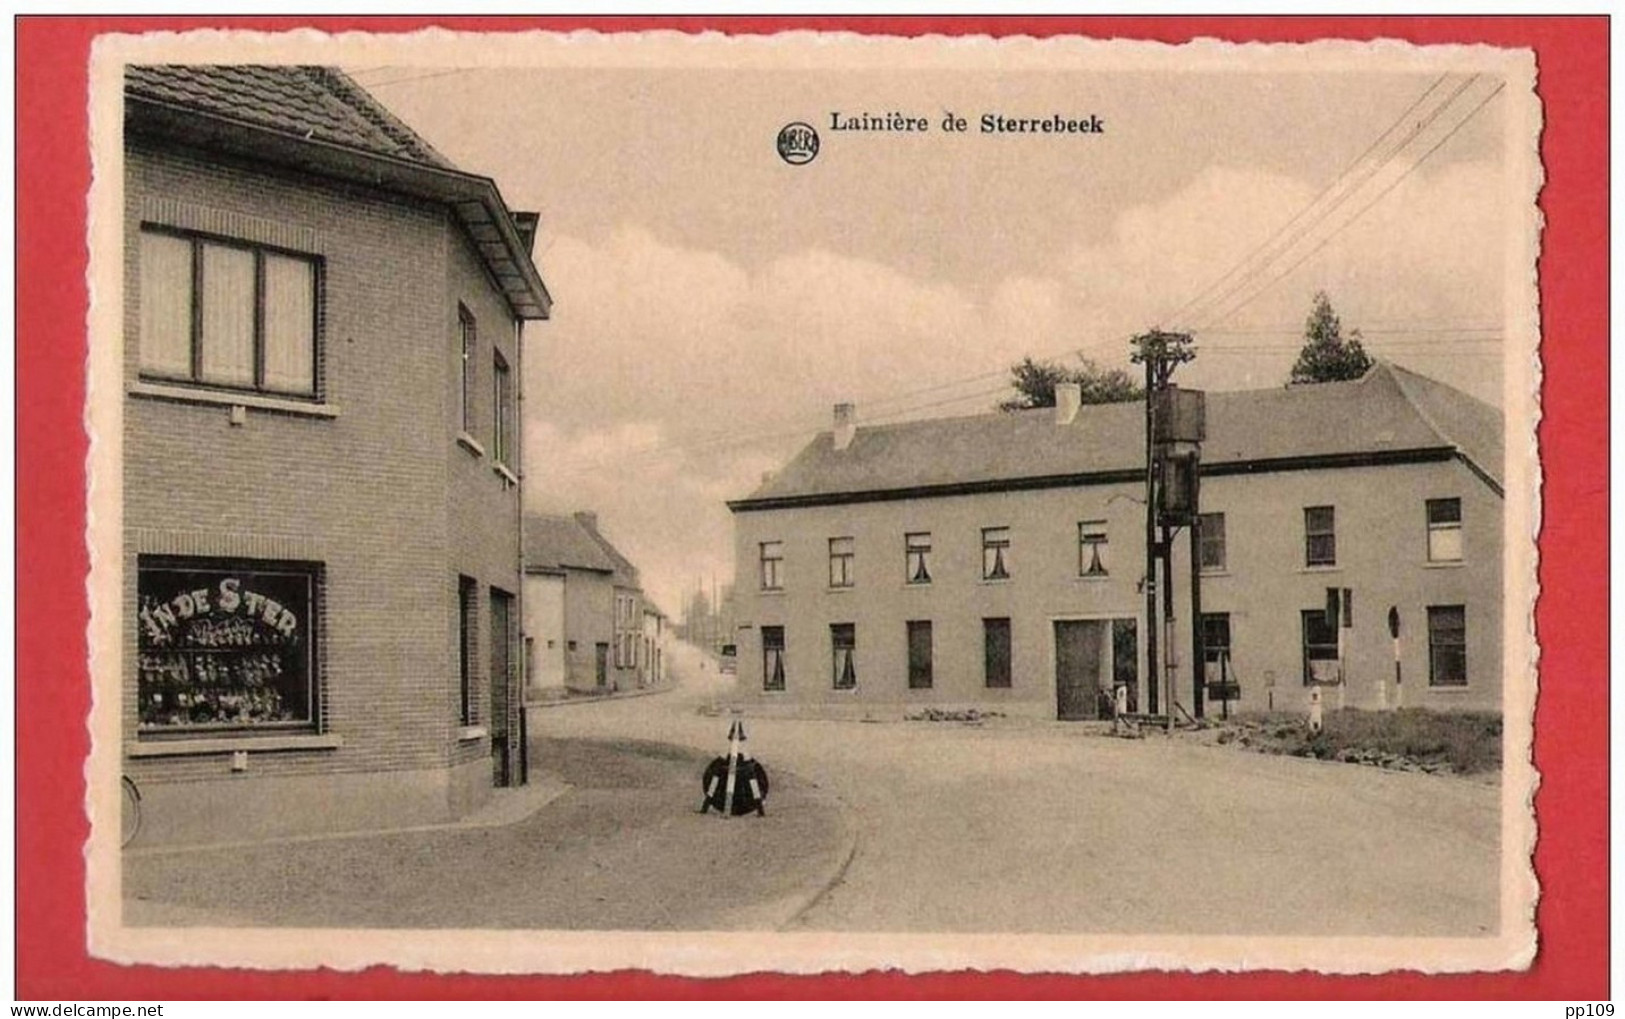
(671,377)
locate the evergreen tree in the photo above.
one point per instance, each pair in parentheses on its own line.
(1326,355)
(1035,381)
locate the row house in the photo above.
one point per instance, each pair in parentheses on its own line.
(321,461)
(998,560)
(585,610)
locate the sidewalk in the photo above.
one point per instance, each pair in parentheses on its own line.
(624,847)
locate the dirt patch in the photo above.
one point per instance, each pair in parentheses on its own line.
(1410,739)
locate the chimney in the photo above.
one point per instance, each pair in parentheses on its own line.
(588,519)
(846,424)
(1068,398)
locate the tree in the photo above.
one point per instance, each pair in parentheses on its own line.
(1035,381)
(1326,356)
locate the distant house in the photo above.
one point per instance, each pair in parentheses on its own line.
(998,559)
(321,459)
(652,658)
(584,609)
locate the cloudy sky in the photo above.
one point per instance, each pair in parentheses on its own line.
(713,302)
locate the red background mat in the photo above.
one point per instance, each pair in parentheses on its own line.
(52,694)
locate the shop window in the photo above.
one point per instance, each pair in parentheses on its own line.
(467,619)
(919,654)
(996,652)
(1447,645)
(502,416)
(1444,530)
(1212,542)
(842,557)
(917,557)
(1319,647)
(467,341)
(843,639)
(772,658)
(1320,536)
(228,315)
(1092,548)
(772,557)
(226,646)
(995,553)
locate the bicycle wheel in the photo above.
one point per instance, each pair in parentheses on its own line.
(131,816)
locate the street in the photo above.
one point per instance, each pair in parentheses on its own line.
(1035,826)
(1015,825)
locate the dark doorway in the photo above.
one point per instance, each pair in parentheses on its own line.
(1080,655)
(601,663)
(501,683)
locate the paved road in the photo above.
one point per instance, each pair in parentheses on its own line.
(1034,826)
(624,849)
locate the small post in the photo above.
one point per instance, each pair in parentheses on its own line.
(1314,710)
(1393,631)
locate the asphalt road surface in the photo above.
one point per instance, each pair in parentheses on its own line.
(1053,827)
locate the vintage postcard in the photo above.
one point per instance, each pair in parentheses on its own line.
(707,504)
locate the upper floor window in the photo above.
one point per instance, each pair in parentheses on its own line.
(995,553)
(917,556)
(1320,536)
(842,555)
(467,337)
(502,416)
(228,314)
(772,565)
(1212,543)
(1092,548)
(1444,530)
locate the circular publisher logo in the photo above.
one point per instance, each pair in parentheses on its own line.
(798,143)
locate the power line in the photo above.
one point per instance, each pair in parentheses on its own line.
(1279,251)
(1366,207)
(1200,296)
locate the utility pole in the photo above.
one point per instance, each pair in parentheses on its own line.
(1161,352)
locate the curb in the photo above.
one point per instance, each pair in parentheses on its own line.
(577,701)
(802,905)
(544,790)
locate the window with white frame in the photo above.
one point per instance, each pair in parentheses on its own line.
(772,658)
(772,562)
(228,314)
(467,339)
(842,562)
(995,553)
(1320,536)
(843,639)
(1444,530)
(917,557)
(502,411)
(1092,548)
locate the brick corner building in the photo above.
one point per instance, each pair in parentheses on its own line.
(322,355)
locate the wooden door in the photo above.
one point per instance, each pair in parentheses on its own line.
(1079,654)
(601,663)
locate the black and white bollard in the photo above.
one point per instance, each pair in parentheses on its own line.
(1314,710)
(735,784)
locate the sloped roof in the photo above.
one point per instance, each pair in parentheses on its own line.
(1389,412)
(561,543)
(315,102)
(320,121)
(626,575)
